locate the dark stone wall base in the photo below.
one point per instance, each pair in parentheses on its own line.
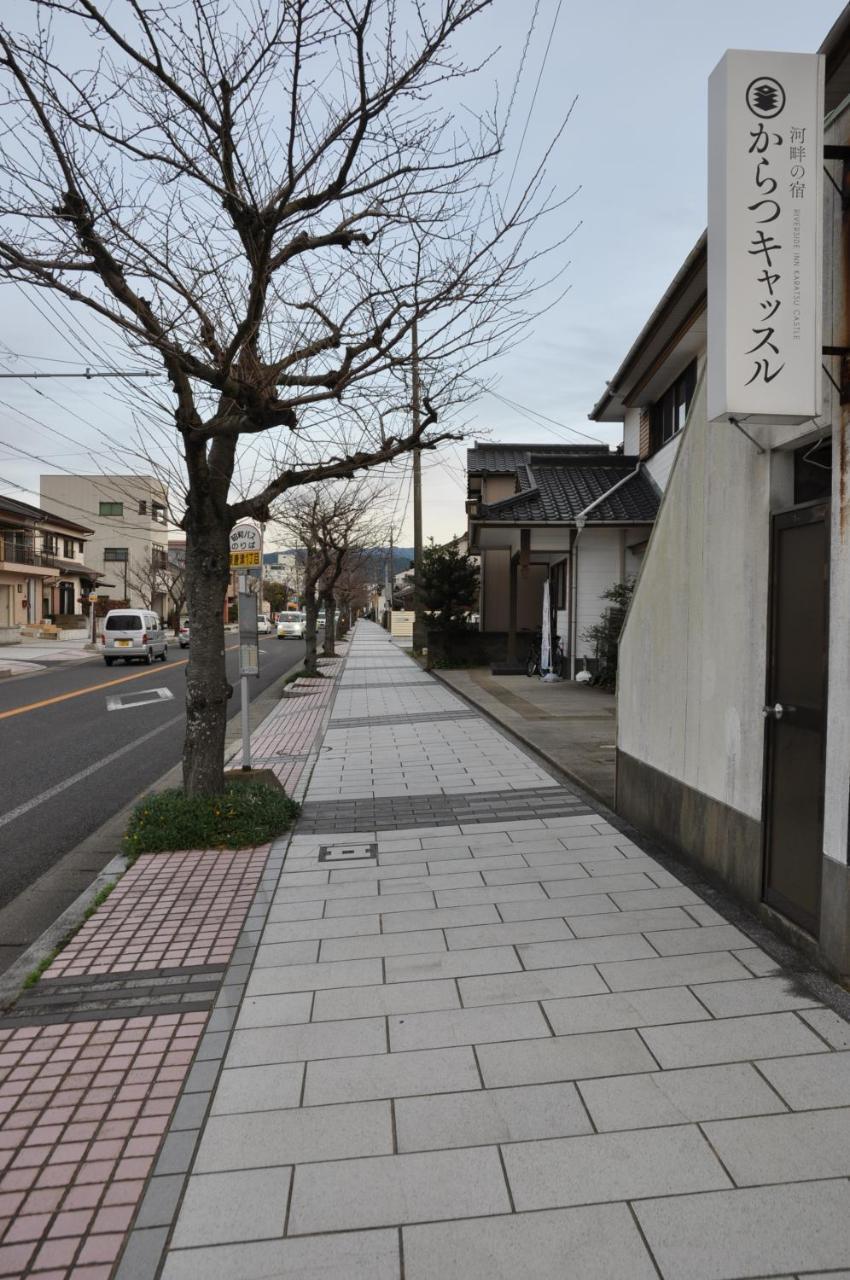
(835,915)
(721,841)
(726,847)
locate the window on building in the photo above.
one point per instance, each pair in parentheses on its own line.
(143,507)
(158,512)
(668,414)
(50,544)
(68,545)
(110,509)
(159,557)
(115,553)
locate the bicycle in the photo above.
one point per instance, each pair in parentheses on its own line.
(532,665)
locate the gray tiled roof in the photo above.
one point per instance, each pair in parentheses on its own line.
(564,487)
(503,459)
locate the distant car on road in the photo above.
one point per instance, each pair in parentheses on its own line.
(291,625)
(264,624)
(184,634)
(133,634)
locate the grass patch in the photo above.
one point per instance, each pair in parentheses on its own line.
(304,675)
(247,813)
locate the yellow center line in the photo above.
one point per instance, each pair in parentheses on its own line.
(93,688)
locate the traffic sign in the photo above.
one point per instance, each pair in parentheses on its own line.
(246,543)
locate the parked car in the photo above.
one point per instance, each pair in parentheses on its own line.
(264,624)
(184,634)
(131,634)
(291,625)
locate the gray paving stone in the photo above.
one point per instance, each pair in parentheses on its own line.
(818,1080)
(159,1204)
(175,1154)
(258,1088)
(759,963)
(675,1097)
(612,884)
(599,1242)
(391,1075)
(641,899)
(768,1035)
(464,879)
(397,1189)
(383,944)
(518,875)
(190,1111)
(452,964)
(575,1057)
(467,1026)
(325,893)
(361,1255)
(489,1116)
(297,1042)
(499,894)
(484,861)
(617,946)
(395,997)
(828,1024)
(754,995)
(441,918)
(360,875)
(258,1139)
(314,977)
(672,971)
(749,1232)
(620,1010)
(202,1077)
(540,984)
(611,1166)
(219,1208)
(304,930)
(389,903)
(142,1254)
(275,1011)
(792,1147)
(679,942)
(595,926)
(494,935)
(593,904)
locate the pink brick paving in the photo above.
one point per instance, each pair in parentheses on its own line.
(169,910)
(83,1108)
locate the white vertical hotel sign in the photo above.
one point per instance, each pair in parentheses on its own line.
(765,163)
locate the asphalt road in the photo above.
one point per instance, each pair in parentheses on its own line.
(69,763)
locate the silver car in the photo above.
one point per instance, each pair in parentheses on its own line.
(291,625)
(131,634)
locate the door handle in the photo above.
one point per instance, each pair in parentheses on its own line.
(777,711)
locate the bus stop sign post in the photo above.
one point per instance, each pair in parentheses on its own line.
(246,555)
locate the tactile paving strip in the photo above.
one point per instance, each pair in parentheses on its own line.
(437,810)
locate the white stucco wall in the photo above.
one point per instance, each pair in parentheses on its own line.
(660,464)
(692,655)
(599,567)
(631,432)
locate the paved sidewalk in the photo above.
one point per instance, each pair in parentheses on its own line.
(484,1036)
(571,725)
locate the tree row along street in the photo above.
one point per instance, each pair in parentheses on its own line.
(48,738)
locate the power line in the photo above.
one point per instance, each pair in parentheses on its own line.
(533,414)
(534,96)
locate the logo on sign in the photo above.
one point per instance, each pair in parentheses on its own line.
(765,97)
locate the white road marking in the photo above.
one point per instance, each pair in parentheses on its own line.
(116,701)
(84,773)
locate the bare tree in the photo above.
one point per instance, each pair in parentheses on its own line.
(329,522)
(263,200)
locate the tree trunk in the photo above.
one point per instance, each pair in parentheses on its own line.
(328,650)
(311,665)
(207,687)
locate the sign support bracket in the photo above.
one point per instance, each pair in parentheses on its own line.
(752,439)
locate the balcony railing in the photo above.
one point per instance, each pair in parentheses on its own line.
(14,553)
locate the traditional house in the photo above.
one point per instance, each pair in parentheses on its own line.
(576,515)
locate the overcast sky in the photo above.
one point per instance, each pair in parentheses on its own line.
(635,145)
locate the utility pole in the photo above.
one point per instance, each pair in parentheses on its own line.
(419,633)
(388,584)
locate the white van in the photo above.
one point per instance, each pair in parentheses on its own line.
(133,634)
